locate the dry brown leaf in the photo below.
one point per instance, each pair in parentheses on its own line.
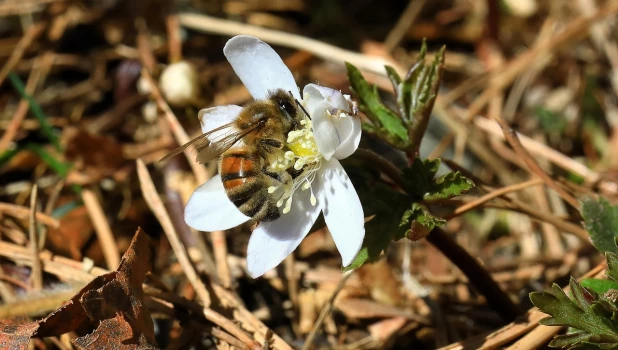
(111,303)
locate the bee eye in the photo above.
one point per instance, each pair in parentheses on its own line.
(287,107)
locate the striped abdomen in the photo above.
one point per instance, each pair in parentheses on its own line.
(246,185)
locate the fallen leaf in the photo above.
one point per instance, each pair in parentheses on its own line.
(111,303)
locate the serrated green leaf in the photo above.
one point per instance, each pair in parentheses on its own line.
(565,312)
(601,221)
(419,176)
(388,124)
(419,222)
(598,285)
(582,297)
(448,186)
(567,340)
(612,265)
(393,76)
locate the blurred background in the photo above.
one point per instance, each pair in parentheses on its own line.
(77,110)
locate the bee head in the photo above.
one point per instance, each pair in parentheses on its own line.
(285,103)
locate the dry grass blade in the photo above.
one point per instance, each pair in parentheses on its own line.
(102,228)
(494,194)
(325,311)
(513,140)
(37,275)
(156,205)
(23,213)
(25,42)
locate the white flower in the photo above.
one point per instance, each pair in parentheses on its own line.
(331,134)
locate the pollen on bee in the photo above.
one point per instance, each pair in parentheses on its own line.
(289,155)
(299,163)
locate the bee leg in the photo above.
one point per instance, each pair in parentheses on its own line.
(282,177)
(271,145)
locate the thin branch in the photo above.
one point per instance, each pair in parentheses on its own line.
(513,140)
(156,205)
(36,279)
(491,195)
(325,312)
(404,23)
(102,228)
(23,213)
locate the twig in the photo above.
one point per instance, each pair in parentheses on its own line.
(504,75)
(328,52)
(210,314)
(36,279)
(542,150)
(325,312)
(179,133)
(32,34)
(491,195)
(102,228)
(496,339)
(24,213)
(156,205)
(219,247)
(22,109)
(513,140)
(404,23)
(173,38)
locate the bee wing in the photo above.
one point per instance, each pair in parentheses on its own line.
(215,148)
(197,143)
(208,149)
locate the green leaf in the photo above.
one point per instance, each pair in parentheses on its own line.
(448,186)
(419,176)
(568,340)
(612,265)
(388,124)
(601,221)
(420,182)
(36,109)
(419,221)
(578,314)
(598,285)
(388,206)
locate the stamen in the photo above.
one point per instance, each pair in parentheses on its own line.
(313,200)
(272,189)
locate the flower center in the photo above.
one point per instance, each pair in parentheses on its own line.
(303,155)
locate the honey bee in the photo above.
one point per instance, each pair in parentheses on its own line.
(258,131)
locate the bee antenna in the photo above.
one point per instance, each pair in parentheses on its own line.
(303,108)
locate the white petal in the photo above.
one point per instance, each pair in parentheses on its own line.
(324,130)
(272,241)
(214,117)
(209,209)
(314,94)
(342,210)
(350,129)
(258,66)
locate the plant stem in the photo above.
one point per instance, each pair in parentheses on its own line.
(476,274)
